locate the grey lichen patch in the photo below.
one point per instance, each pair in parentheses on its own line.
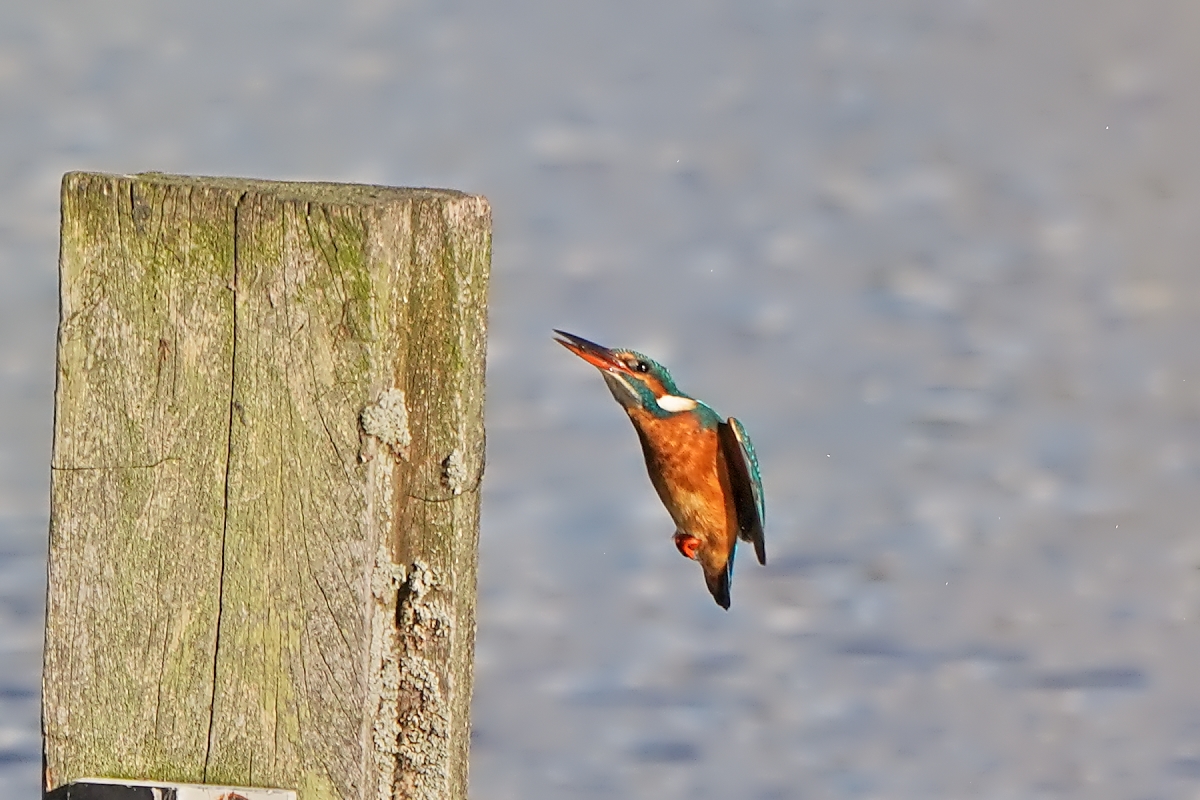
(410,633)
(387,420)
(384,678)
(424,624)
(454,473)
(386,578)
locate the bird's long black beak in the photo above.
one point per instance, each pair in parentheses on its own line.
(594,354)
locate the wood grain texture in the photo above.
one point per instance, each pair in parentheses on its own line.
(253,580)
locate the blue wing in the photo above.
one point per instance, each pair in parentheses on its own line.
(746,482)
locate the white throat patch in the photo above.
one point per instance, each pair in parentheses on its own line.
(674,403)
(620,388)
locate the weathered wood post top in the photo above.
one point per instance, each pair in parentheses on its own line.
(268,446)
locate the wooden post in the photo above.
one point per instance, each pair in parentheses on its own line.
(268,444)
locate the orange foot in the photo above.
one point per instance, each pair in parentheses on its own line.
(687,544)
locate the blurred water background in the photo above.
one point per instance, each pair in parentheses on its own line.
(938,255)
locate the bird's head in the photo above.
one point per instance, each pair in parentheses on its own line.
(634,380)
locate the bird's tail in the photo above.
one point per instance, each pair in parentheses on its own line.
(719,582)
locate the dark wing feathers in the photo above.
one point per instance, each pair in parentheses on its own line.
(746,484)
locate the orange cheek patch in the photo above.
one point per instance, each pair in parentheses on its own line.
(687,545)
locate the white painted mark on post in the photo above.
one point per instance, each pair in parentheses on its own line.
(161,790)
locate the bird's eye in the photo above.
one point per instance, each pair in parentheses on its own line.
(642,366)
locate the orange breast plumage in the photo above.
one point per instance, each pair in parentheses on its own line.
(683,459)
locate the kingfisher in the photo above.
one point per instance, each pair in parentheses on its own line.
(703,468)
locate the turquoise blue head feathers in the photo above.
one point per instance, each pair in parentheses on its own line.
(636,379)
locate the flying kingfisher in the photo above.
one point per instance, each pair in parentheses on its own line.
(704,469)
